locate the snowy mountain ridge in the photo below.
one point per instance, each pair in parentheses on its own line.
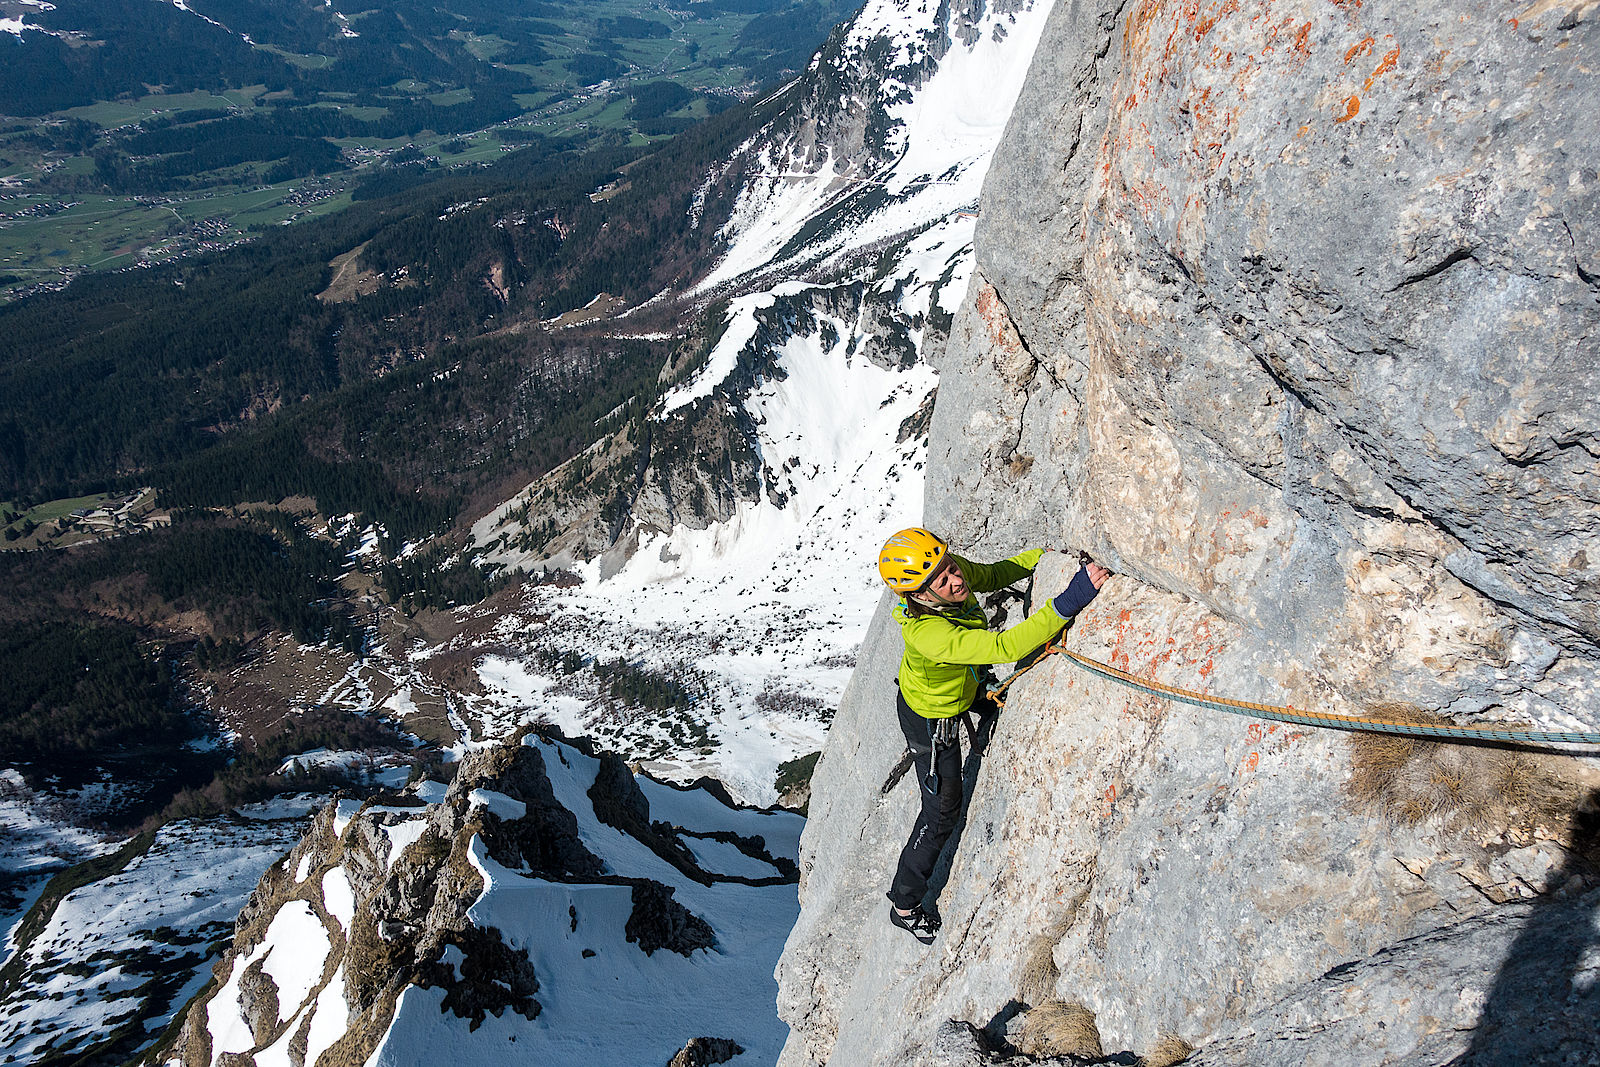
(892,135)
(545,899)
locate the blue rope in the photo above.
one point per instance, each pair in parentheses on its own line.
(1343,722)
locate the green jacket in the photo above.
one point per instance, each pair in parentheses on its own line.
(938,674)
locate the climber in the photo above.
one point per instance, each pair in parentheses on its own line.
(947,640)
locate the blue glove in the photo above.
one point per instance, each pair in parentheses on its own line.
(1075,597)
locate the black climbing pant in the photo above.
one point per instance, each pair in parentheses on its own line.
(938,775)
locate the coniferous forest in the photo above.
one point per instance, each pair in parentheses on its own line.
(144,374)
(421,391)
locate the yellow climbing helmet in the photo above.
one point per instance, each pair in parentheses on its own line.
(909,559)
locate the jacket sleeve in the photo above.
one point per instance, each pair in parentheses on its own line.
(987,577)
(944,642)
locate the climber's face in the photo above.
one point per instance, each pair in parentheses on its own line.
(948,586)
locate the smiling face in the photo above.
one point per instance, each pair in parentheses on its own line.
(947,586)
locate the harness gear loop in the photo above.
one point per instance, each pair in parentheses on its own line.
(1299,716)
(972,731)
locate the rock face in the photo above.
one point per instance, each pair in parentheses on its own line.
(1286,311)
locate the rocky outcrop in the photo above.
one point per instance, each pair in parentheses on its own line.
(1285,310)
(399,931)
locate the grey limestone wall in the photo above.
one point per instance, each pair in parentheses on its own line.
(1286,310)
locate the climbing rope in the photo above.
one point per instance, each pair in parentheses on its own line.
(1298,716)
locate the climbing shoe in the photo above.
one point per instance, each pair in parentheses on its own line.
(919,924)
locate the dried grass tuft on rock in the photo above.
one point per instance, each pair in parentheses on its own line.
(1036,979)
(1060,1028)
(1167,1052)
(1475,787)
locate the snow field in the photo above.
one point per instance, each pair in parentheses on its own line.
(37,831)
(513,685)
(698,811)
(297,945)
(719,904)
(430,792)
(288,806)
(379,770)
(147,920)
(720,857)
(338,897)
(330,1017)
(402,835)
(343,812)
(497,804)
(739,328)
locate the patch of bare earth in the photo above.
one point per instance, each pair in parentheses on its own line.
(349,280)
(603,306)
(285,677)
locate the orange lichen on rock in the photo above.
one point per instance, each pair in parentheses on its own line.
(1352,107)
(1203,26)
(995,317)
(1390,58)
(1302,42)
(1359,49)
(1136,30)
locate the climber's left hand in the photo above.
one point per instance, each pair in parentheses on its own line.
(1083,588)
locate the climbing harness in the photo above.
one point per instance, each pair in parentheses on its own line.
(1298,716)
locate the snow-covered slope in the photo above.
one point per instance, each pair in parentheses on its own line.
(922,93)
(106,965)
(548,907)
